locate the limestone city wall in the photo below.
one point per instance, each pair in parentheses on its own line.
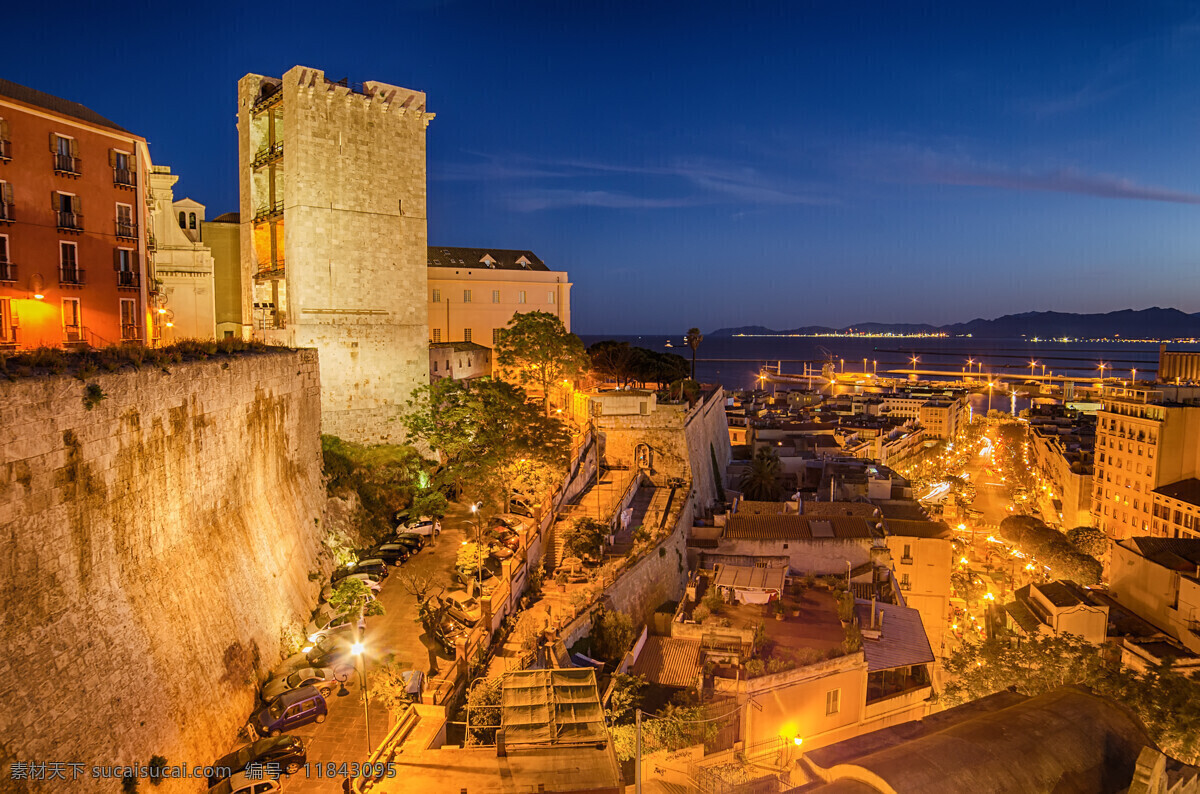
(153,549)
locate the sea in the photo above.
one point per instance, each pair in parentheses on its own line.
(735,362)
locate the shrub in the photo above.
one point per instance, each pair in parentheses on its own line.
(157,764)
(92,395)
(755,668)
(612,635)
(701,614)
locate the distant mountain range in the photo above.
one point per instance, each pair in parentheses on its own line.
(1152,323)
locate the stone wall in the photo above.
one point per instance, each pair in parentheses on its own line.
(153,548)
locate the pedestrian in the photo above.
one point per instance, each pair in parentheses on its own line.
(347,788)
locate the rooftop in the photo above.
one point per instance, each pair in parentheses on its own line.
(815,509)
(919,529)
(752,508)
(669,661)
(749,577)
(1064,594)
(789,527)
(63,107)
(461,347)
(547,707)
(1177,554)
(902,641)
(1187,491)
(902,509)
(485,258)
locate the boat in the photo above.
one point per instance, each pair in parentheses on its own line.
(668,344)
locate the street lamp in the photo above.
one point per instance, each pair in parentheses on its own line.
(357,650)
(1102,366)
(478,550)
(1134,371)
(1032,364)
(914,361)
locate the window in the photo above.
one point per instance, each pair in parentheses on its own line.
(65,150)
(72,317)
(129,323)
(182,219)
(125,225)
(496,336)
(521,296)
(192,220)
(466,334)
(7,271)
(495,296)
(124,171)
(833,702)
(550,298)
(5,154)
(69,209)
(68,264)
(123,264)
(437,296)
(437,334)
(466,296)
(435,366)
(8,334)
(6,201)
(905,584)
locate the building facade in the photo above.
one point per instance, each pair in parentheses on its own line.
(1145,438)
(1159,579)
(459,361)
(1177,510)
(334,238)
(183,264)
(73,241)
(474,292)
(222,235)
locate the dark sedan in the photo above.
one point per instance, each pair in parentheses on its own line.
(392,553)
(286,751)
(414,542)
(373,566)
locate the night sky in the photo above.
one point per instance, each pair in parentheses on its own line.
(711,164)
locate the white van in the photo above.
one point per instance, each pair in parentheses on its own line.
(240,784)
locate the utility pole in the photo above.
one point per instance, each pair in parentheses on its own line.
(637,764)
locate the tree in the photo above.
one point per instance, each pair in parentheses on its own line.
(693,339)
(429,502)
(388,685)
(483,711)
(613,360)
(585,537)
(760,482)
(612,636)
(1088,540)
(538,350)
(484,431)
(350,595)
(1050,548)
(626,698)
(674,728)
(1166,702)
(471,555)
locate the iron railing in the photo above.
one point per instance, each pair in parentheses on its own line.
(130,333)
(6,212)
(127,230)
(268,211)
(70,221)
(8,271)
(267,154)
(5,149)
(73,334)
(269,95)
(128,278)
(69,274)
(269,270)
(66,164)
(124,177)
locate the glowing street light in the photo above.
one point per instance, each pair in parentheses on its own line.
(1102,367)
(358,650)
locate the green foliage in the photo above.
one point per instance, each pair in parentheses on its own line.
(85,362)
(471,555)
(967,586)
(717,478)
(486,435)
(1050,547)
(760,482)
(612,635)
(636,365)
(584,538)
(1167,703)
(693,339)
(626,698)
(701,613)
(484,716)
(350,595)
(157,764)
(388,687)
(713,599)
(538,351)
(675,728)
(92,395)
(384,477)
(755,668)
(429,502)
(853,641)
(1088,540)
(845,606)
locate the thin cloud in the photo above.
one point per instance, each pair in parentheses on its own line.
(536,200)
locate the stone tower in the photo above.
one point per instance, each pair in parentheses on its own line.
(333,238)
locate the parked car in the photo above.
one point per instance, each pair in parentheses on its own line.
(322,678)
(469,577)
(447,631)
(327,621)
(427,526)
(334,652)
(506,537)
(462,607)
(243,784)
(395,553)
(286,751)
(414,685)
(521,507)
(371,582)
(290,710)
(379,571)
(410,539)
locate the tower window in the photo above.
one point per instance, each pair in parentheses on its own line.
(182,219)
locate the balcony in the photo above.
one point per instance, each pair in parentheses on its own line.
(8,271)
(67,165)
(70,222)
(128,279)
(269,212)
(131,333)
(270,96)
(8,337)
(73,335)
(70,275)
(906,560)
(124,177)
(269,271)
(268,154)
(5,150)
(6,212)
(127,230)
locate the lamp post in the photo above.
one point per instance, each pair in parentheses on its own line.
(357,650)
(478,550)
(1032,364)
(1102,366)
(1134,373)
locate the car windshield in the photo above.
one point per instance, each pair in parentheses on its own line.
(276,709)
(293,680)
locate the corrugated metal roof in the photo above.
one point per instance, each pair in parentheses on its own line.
(903,641)
(64,107)
(668,661)
(1022,616)
(742,527)
(749,577)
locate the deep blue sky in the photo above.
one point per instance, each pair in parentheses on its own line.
(711,164)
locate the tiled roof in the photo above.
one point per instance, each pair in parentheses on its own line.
(1063,594)
(902,642)
(798,527)
(462,347)
(1178,554)
(1022,616)
(668,661)
(919,529)
(63,107)
(815,509)
(902,509)
(1184,491)
(502,258)
(752,508)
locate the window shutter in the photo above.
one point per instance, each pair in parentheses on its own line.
(74,148)
(4,129)
(54,201)
(116,259)
(77,205)
(6,193)
(112,157)
(54,143)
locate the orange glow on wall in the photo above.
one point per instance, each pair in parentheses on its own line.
(39,322)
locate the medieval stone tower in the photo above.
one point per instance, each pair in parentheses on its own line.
(333,238)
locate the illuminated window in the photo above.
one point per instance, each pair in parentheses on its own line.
(437,334)
(192,220)
(466,296)
(521,296)
(833,702)
(466,334)
(437,296)
(495,296)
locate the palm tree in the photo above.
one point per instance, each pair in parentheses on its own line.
(760,482)
(693,339)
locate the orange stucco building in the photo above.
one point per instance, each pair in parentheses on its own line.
(73,231)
